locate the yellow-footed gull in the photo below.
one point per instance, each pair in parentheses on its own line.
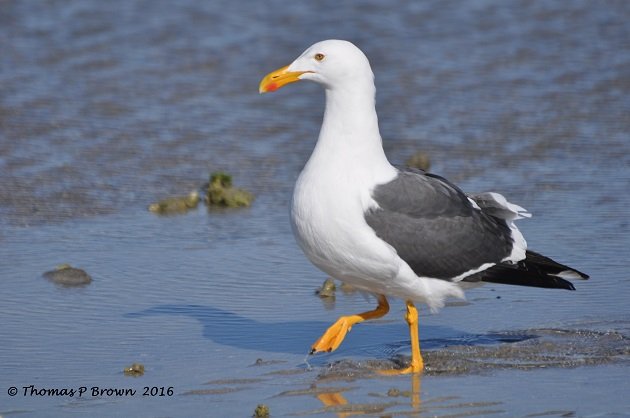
(390,231)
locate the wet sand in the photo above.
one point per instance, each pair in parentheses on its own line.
(107,107)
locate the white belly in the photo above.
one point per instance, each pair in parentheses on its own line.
(328,223)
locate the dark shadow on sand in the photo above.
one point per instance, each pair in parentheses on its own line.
(380,340)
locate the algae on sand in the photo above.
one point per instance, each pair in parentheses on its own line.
(218,193)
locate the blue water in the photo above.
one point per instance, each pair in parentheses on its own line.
(107,107)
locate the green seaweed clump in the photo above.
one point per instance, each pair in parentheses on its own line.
(66,275)
(135,370)
(175,205)
(419,160)
(220,192)
(328,289)
(261,411)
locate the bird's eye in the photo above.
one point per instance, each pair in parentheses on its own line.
(319,56)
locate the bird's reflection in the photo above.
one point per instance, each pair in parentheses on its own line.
(335,401)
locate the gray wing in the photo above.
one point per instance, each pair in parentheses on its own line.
(435,228)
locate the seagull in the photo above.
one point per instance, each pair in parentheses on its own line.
(394,232)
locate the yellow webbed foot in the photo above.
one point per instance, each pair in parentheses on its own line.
(333,336)
(415,367)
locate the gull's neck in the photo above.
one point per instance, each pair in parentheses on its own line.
(349,138)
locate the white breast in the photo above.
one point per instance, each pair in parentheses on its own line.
(328,223)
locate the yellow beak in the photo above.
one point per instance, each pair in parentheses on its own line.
(276,79)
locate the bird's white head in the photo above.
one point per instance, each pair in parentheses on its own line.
(331,63)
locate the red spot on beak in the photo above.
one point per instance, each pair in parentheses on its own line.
(272,87)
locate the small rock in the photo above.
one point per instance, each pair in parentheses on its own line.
(66,275)
(393,392)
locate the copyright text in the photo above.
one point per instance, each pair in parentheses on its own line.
(92,391)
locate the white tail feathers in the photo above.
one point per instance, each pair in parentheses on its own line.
(496,204)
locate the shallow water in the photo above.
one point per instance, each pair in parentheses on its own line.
(107,107)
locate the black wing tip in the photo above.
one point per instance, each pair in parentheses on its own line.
(584,276)
(535,271)
(551,266)
(571,270)
(519,278)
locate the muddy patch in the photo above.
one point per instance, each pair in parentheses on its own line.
(519,350)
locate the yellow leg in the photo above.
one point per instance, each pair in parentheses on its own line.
(417,364)
(415,391)
(335,334)
(332,399)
